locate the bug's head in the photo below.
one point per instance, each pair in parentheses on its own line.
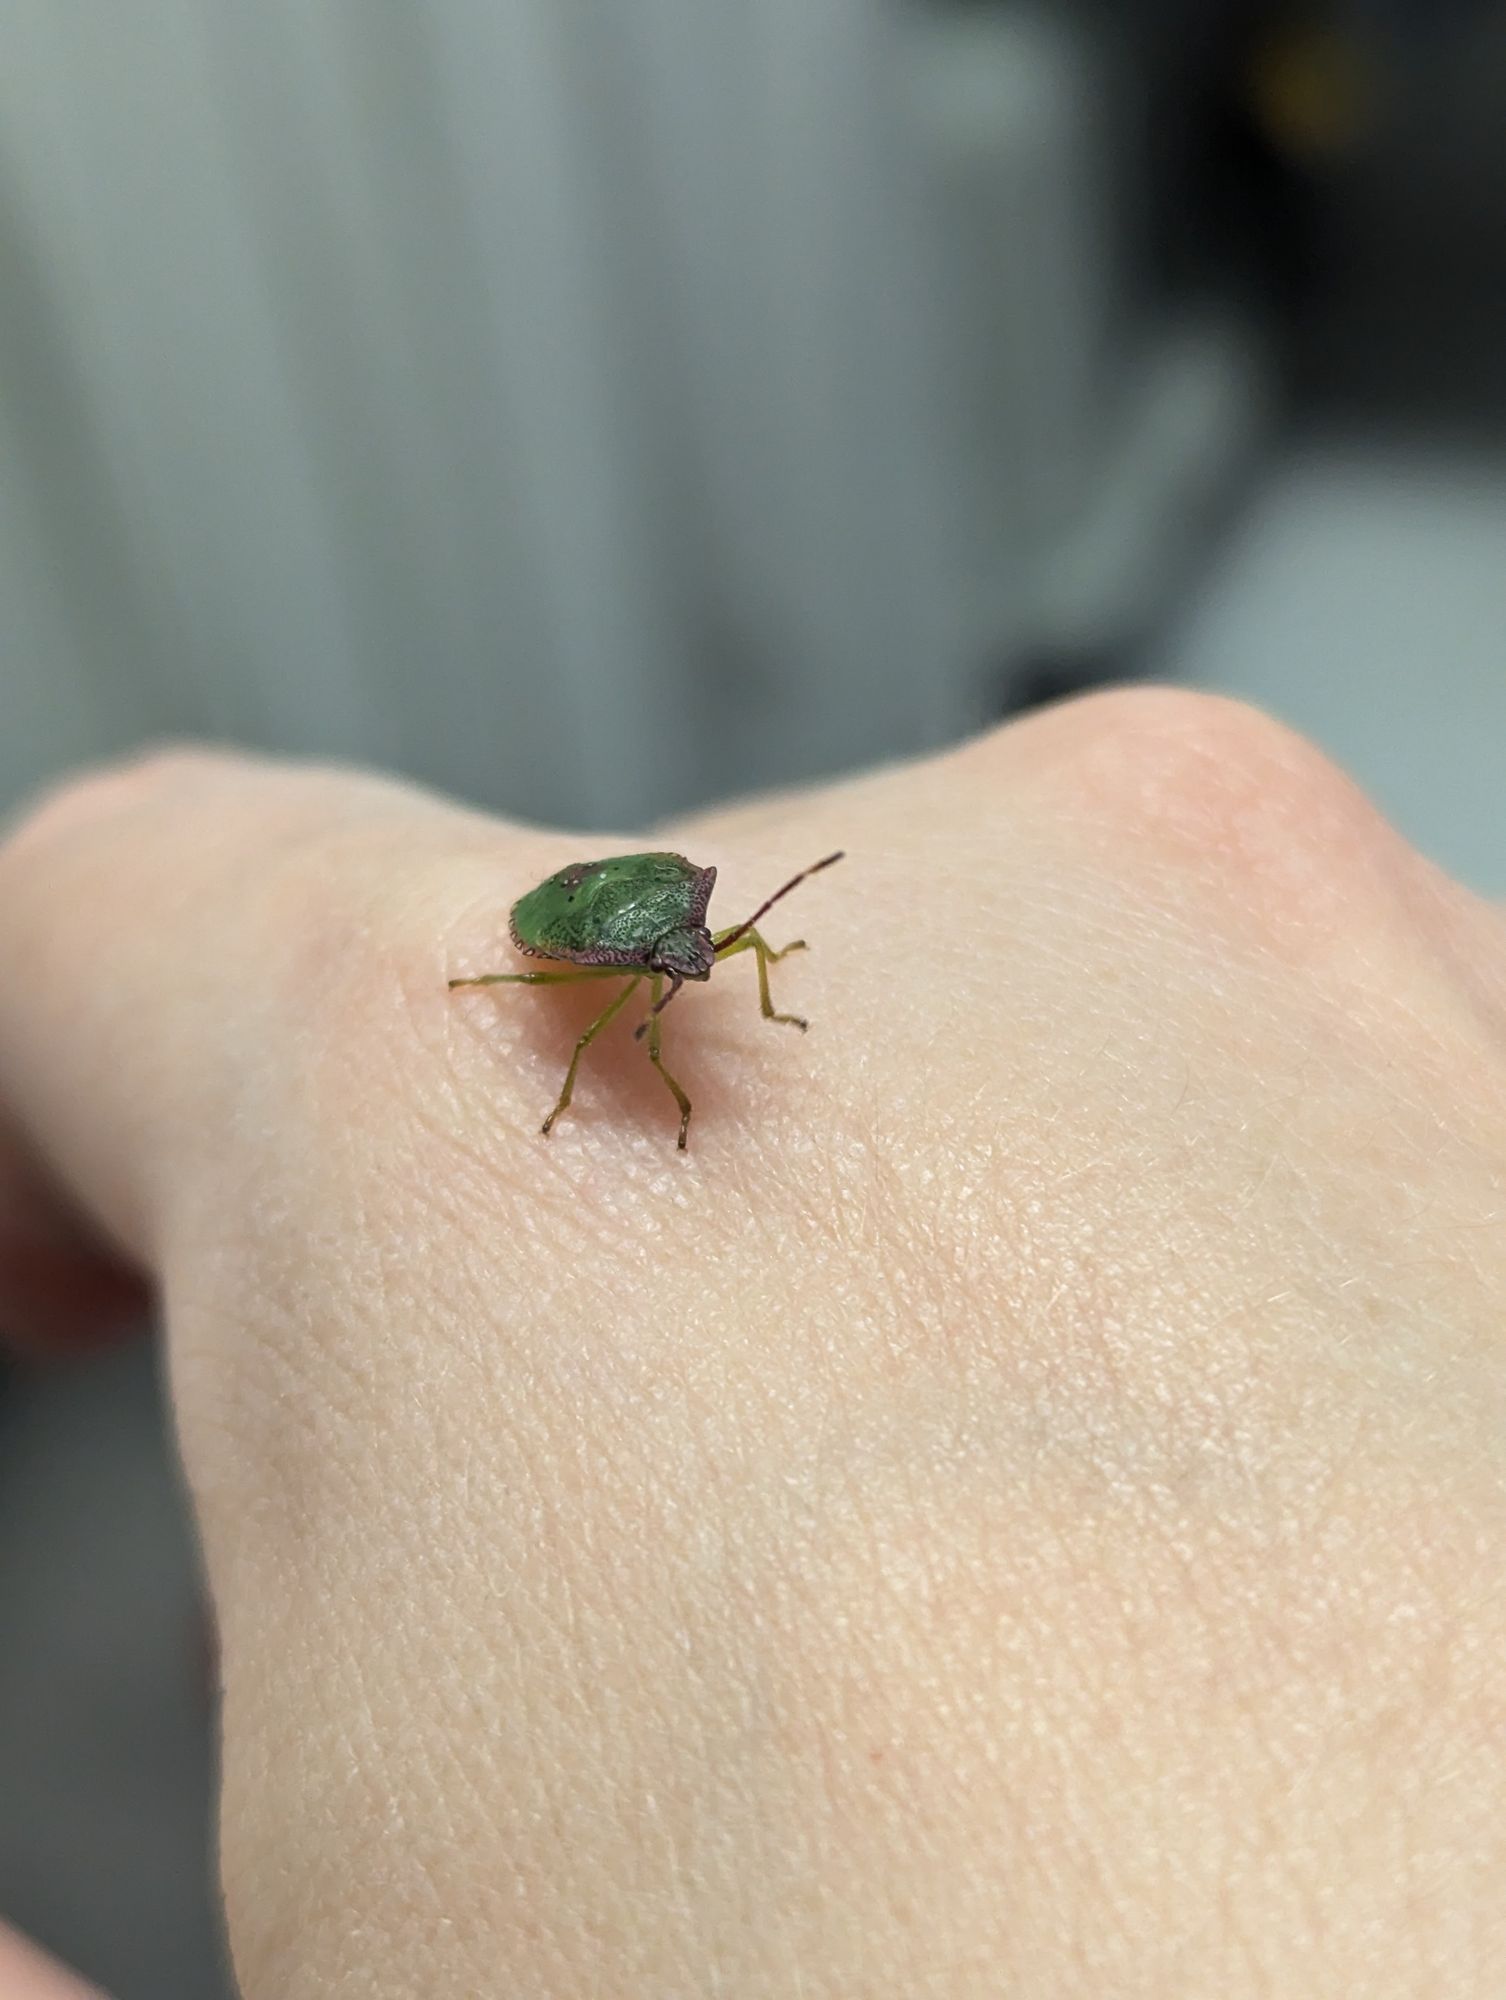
(688,953)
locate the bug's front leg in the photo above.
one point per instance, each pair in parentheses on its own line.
(584,1043)
(656,1057)
(753,941)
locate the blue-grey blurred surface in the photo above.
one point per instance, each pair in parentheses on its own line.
(105,1765)
(595,409)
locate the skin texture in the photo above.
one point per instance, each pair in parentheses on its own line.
(1018,1508)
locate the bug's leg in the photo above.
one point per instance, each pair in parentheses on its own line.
(752,941)
(540,978)
(675,983)
(585,1042)
(745,943)
(655,1056)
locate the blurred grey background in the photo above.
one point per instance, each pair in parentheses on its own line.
(596,409)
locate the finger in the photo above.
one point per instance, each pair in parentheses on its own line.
(29,1974)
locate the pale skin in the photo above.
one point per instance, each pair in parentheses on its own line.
(1017,1509)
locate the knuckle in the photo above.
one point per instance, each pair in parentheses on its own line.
(1166,754)
(102,792)
(1210,786)
(164,766)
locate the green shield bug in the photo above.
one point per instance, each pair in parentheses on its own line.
(635,917)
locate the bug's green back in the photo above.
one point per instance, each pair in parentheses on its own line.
(611,911)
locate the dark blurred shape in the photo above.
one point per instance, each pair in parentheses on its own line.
(106,1851)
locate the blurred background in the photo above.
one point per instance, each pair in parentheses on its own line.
(598,409)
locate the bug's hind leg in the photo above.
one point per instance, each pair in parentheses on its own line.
(586,1039)
(656,1057)
(753,941)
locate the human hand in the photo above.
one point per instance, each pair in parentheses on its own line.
(1016,1508)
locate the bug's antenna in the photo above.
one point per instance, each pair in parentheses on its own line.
(764,908)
